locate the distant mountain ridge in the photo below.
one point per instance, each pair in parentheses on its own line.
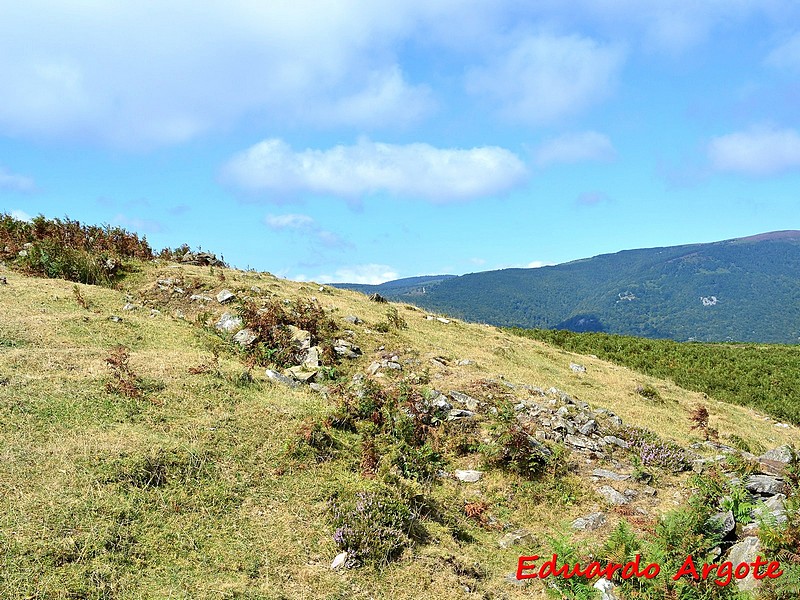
(742,289)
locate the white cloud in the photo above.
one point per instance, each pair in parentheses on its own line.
(14,182)
(575,147)
(536,264)
(786,56)
(308,226)
(412,170)
(544,78)
(290,221)
(133,74)
(372,274)
(21,215)
(758,151)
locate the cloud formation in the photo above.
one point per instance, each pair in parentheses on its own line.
(544,78)
(307,226)
(15,182)
(786,55)
(366,168)
(575,147)
(371,274)
(758,151)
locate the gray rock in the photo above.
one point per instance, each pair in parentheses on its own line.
(615,441)
(606,589)
(773,507)
(612,495)
(726,521)
(115,318)
(588,428)
(745,551)
(774,462)
(129,306)
(353,319)
(200,298)
(468,401)
(339,561)
(610,475)
(225,296)
(154,312)
(464,362)
(581,442)
(302,374)
(766,485)
(245,337)
(345,349)
(468,476)
(228,323)
(312,357)
(458,413)
(576,368)
(519,537)
(301,337)
(590,522)
(275,376)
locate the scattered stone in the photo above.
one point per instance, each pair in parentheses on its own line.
(154,312)
(129,306)
(275,376)
(766,485)
(610,475)
(312,357)
(245,337)
(457,413)
(464,362)
(745,551)
(302,374)
(353,319)
(612,495)
(615,441)
(589,427)
(606,589)
(468,401)
(378,298)
(225,296)
(200,298)
(115,318)
(339,561)
(301,337)
(346,350)
(773,508)
(576,368)
(443,320)
(774,461)
(511,579)
(228,323)
(468,476)
(519,537)
(580,442)
(727,523)
(649,491)
(203,259)
(590,522)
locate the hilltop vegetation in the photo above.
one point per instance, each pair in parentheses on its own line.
(766,377)
(200,432)
(736,290)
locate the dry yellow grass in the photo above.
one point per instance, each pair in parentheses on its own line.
(235,520)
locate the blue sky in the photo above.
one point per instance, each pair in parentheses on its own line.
(371,140)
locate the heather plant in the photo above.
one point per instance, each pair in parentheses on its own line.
(652,451)
(374,526)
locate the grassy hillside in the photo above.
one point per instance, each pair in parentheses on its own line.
(765,377)
(175,468)
(736,290)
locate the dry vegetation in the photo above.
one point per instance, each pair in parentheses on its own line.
(141,458)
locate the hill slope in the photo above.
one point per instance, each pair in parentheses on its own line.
(744,289)
(168,468)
